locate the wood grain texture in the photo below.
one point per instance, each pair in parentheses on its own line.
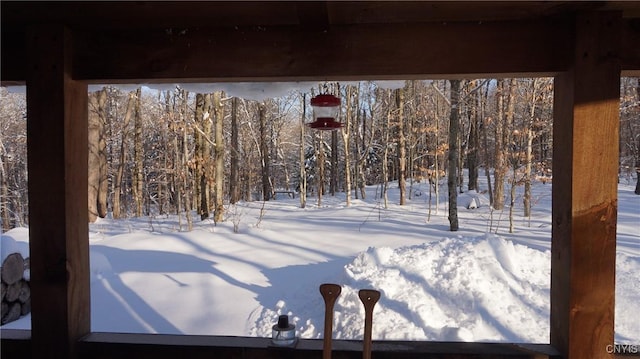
(368,51)
(630,47)
(229,41)
(584,206)
(122,346)
(57,148)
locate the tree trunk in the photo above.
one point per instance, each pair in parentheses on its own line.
(186,187)
(186,179)
(454,124)
(103,163)
(460,148)
(500,155)
(97,177)
(202,115)
(264,149)
(137,157)
(118,182)
(362,155)
(512,202)
(511,150)
(402,148)
(303,171)
(436,162)
(320,154)
(385,155)
(333,185)
(526,200)
(346,132)
(484,123)
(200,187)
(218,110)
(93,139)
(234,178)
(473,143)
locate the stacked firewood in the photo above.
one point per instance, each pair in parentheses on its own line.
(16,293)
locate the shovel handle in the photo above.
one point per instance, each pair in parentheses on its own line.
(368,297)
(330,293)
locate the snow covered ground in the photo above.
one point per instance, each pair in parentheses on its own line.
(478,284)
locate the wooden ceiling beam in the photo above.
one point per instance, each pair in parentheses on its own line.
(630,48)
(371,51)
(313,15)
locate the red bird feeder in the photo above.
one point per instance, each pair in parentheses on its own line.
(325,113)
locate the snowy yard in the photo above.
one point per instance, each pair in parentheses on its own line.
(478,284)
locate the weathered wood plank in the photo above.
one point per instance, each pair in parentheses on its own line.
(585,158)
(58,217)
(630,48)
(15,344)
(347,52)
(368,51)
(110,345)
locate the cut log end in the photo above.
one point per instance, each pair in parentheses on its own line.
(15,289)
(12,268)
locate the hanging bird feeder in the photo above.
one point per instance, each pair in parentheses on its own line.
(325,113)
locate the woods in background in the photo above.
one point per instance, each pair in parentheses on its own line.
(174,152)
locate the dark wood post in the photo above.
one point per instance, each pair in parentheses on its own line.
(585,166)
(57,148)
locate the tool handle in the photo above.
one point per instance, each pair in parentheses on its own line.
(330,293)
(368,297)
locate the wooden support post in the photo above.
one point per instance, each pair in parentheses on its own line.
(585,167)
(57,149)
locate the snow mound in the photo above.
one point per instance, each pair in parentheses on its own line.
(627,296)
(454,289)
(14,241)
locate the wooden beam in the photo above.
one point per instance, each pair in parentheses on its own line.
(123,346)
(630,48)
(584,206)
(57,148)
(313,15)
(369,51)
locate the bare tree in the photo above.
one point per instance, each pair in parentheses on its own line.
(320,164)
(473,141)
(485,122)
(202,139)
(138,179)
(333,180)
(630,130)
(454,124)
(13,161)
(385,153)
(500,170)
(402,147)
(264,150)
(218,115)
(187,189)
(234,178)
(303,172)
(118,182)
(98,181)
(346,133)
